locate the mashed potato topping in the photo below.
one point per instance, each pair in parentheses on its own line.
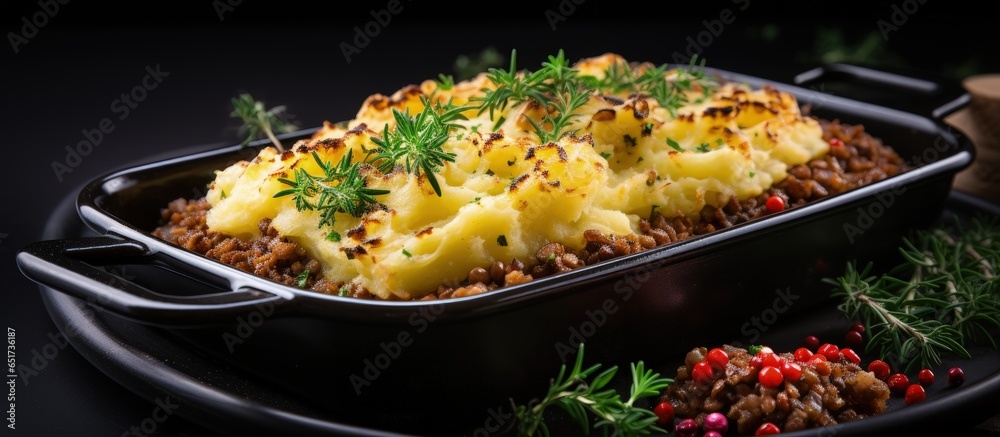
(507,193)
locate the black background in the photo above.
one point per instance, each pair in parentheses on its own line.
(65,78)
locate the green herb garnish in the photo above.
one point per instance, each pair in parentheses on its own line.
(407,253)
(258,120)
(674,145)
(340,189)
(940,300)
(555,87)
(417,141)
(584,395)
(302,279)
(669,93)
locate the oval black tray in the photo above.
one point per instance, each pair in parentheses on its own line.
(152,362)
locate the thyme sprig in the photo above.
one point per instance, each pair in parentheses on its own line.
(942,299)
(582,394)
(258,120)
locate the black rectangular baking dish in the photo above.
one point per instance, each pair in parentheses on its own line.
(472,355)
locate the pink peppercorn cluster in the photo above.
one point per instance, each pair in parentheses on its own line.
(773,370)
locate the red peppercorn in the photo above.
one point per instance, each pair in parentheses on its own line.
(956,376)
(898,383)
(775,204)
(835,142)
(791,371)
(860,328)
(851,355)
(820,363)
(702,372)
(718,358)
(880,369)
(854,338)
(802,354)
(770,377)
(915,393)
(926,377)
(767,428)
(830,351)
(664,413)
(812,342)
(772,360)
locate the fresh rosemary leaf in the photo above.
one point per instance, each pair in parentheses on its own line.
(340,189)
(940,300)
(417,142)
(259,122)
(585,398)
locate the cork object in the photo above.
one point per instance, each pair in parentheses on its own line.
(980,122)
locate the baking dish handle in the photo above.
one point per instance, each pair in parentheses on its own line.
(925,94)
(70,266)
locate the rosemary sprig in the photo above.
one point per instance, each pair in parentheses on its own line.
(340,189)
(581,399)
(555,87)
(670,93)
(940,300)
(417,140)
(258,120)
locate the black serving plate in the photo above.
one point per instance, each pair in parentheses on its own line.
(392,365)
(155,363)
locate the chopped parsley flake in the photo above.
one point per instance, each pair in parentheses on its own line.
(333,236)
(702,148)
(673,144)
(407,253)
(605,155)
(629,141)
(752,174)
(302,279)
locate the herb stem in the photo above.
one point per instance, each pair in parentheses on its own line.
(270,135)
(892,320)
